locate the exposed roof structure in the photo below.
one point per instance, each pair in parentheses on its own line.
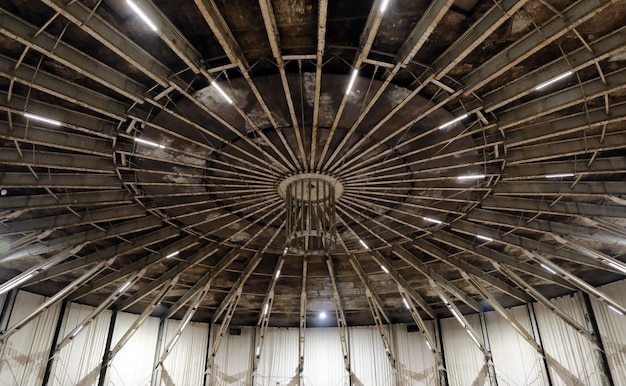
(460,183)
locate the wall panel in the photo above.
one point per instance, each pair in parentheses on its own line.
(279,358)
(464,360)
(233,362)
(369,362)
(571,358)
(186,362)
(78,363)
(322,350)
(415,362)
(528,367)
(138,351)
(25,354)
(612,328)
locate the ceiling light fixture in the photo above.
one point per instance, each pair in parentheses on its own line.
(561,175)
(383,7)
(485,238)
(434,221)
(142,15)
(149,143)
(221,91)
(548,269)
(616,310)
(471,177)
(81,327)
(406,304)
(457,317)
(455,120)
(363,244)
(123,288)
(384,268)
(42,119)
(277,274)
(322,315)
(553,80)
(429,346)
(266,309)
(352,79)
(172,254)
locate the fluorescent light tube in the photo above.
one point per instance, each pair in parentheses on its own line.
(277,274)
(455,120)
(142,15)
(352,79)
(553,80)
(122,288)
(42,119)
(81,327)
(149,143)
(383,7)
(481,237)
(562,175)
(384,268)
(363,244)
(406,304)
(266,309)
(457,317)
(219,89)
(172,254)
(431,220)
(429,346)
(471,177)
(548,269)
(616,310)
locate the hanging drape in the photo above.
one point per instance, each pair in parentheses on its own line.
(369,363)
(415,362)
(323,360)
(571,358)
(78,363)
(465,362)
(186,362)
(233,362)
(528,367)
(25,354)
(138,351)
(278,364)
(612,328)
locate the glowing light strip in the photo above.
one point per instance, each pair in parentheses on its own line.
(435,221)
(383,7)
(616,310)
(122,288)
(457,317)
(267,308)
(81,327)
(562,175)
(553,80)
(363,244)
(149,143)
(384,268)
(548,269)
(484,238)
(172,254)
(452,122)
(142,15)
(406,304)
(471,177)
(352,79)
(42,119)
(219,89)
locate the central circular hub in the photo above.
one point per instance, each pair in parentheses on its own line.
(315,180)
(311,220)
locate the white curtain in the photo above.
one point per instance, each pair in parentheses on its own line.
(278,364)
(186,362)
(612,328)
(465,362)
(132,366)
(369,363)
(323,359)
(233,361)
(78,363)
(571,357)
(24,355)
(415,362)
(516,361)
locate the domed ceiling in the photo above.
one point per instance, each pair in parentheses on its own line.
(476,151)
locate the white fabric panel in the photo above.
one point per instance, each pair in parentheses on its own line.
(415,363)
(132,366)
(186,362)
(25,354)
(464,360)
(612,328)
(516,361)
(369,363)
(279,358)
(323,360)
(570,356)
(233,361)
(79,361)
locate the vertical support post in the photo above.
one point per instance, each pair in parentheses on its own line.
(441,368)
(55,341)
(156,369)
(493,380)
(205,381)
(7,309)
(607,378)
(104,366)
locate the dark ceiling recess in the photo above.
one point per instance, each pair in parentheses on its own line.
(473,147)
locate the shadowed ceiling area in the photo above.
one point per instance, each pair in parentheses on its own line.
(477,150)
